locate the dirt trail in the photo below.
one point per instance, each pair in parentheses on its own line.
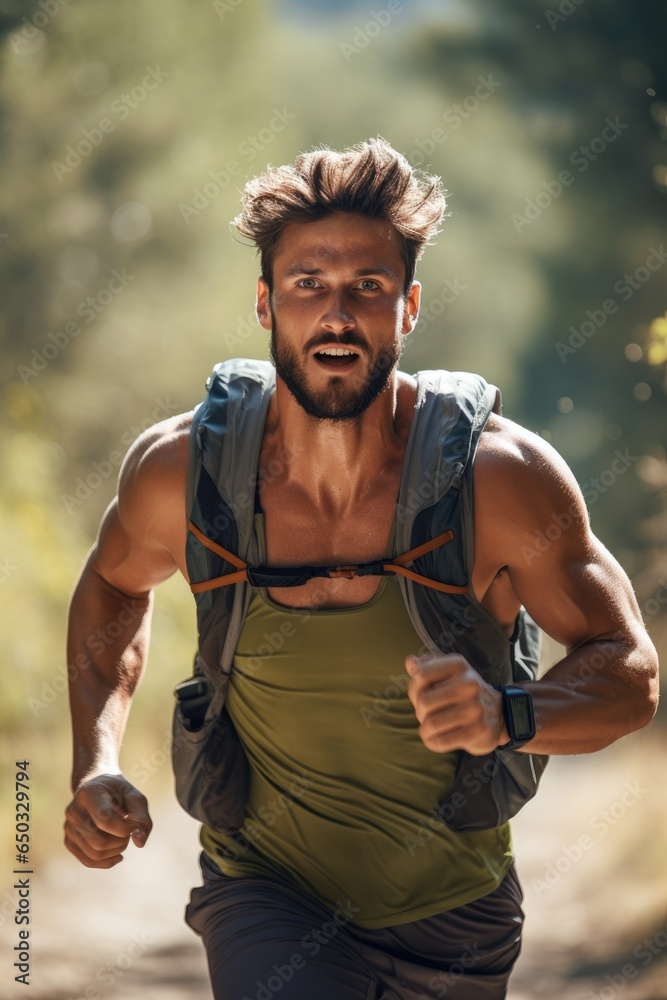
(106,935)
(120,935)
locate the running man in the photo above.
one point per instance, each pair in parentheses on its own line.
(337,894)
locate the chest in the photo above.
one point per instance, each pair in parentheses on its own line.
(297,532)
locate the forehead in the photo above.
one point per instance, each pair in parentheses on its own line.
(339,240)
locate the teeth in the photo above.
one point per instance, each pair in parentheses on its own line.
(336,351)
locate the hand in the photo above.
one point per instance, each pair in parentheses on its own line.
(105,813)
(456,708)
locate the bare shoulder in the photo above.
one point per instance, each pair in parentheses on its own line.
(161,449)
(142,535)
(151,485)
(504,440)
(507,450)
(522,482)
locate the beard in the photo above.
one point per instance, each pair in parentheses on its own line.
(339,400)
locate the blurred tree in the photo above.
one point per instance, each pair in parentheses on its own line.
(588,82)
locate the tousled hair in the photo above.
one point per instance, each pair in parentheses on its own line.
(370,178)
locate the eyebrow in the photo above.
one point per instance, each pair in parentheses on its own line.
(359,273)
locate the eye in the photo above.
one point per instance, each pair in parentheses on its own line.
(314,283)
(368,282)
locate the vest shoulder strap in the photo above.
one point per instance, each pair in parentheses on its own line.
(451,410)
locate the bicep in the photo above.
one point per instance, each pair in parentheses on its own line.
(577,593)
(563,575)
(131,562)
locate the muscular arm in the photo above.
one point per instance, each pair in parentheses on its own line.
(607,684)
(531,521)
(140,543)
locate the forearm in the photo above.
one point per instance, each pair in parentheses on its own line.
(108,635)
(596,694)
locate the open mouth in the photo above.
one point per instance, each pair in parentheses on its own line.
(337,357)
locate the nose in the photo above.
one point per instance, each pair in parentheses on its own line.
(337,318)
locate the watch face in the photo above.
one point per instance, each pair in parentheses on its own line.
(521,717)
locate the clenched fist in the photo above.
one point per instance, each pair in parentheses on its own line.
(456,708)
(105,813)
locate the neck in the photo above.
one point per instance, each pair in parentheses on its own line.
(337,464)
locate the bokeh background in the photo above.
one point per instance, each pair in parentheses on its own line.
(127,131)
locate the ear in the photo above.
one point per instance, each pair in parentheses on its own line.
(263,304)
(411,311)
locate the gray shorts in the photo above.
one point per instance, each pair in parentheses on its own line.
(265,939)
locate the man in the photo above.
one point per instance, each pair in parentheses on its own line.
(326,901)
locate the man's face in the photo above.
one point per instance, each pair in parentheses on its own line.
(337,283)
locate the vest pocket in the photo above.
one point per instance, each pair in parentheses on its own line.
(212,773)
(488,791)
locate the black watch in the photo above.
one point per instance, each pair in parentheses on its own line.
(519,716)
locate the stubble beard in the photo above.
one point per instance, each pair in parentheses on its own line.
(337,401)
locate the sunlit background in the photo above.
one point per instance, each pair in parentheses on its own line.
(127,132)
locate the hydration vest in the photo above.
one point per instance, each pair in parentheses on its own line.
(434,539)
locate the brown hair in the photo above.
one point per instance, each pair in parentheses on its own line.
(370,178)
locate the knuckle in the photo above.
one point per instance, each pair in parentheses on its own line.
(87,823)
(97,842)
(87,862)
(71,810)
(116,802)
(471,690)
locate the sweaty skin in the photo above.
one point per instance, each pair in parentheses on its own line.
(343,476)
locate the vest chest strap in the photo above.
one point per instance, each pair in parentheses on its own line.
(297,576)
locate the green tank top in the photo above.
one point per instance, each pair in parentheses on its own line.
(343,793)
